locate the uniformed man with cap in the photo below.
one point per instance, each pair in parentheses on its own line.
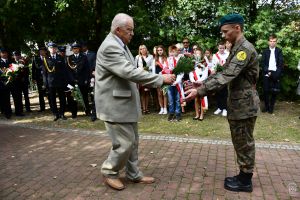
(55,76)
(241,72)
(62,51)
(37,76)
(4,88)
(71,103)
(80,75)
(15,86)
(23,78)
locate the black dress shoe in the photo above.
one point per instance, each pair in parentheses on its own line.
(63,117)
(8,116)
(270,111)
(29,111)
(93,118)
(56,118)
(20,115)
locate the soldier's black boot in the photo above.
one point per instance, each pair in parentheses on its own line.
(239,183)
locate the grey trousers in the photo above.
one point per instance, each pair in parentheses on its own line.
(124,151)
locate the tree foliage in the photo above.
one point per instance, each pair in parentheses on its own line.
(24,23)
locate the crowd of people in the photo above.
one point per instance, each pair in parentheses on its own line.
(56,74)
(171,99)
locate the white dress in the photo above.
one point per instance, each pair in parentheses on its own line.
(200,74)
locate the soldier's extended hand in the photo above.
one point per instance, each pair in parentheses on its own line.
(191,94)
(169,78)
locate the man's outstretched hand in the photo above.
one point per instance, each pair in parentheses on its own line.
(169,78)
(191,94)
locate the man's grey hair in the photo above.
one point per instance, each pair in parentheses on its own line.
(120,20)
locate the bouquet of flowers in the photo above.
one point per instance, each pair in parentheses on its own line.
(76,93)
(11,72)
(219,68)
(145,67)
(184,65)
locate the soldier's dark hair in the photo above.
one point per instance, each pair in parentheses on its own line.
(272,36)
(241,25)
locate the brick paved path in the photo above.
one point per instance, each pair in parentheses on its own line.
(51,164)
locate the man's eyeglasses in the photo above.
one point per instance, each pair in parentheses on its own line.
(185,42)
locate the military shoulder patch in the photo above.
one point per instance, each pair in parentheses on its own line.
(241,55)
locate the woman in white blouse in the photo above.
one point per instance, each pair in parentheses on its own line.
(144,61)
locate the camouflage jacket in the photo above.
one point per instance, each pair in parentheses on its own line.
(241,72)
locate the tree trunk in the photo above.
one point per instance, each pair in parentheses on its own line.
(253,11)
(2,34)
(273,4)
(98,12)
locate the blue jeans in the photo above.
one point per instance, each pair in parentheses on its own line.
(174,101)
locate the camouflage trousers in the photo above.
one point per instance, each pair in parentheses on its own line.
(243,142)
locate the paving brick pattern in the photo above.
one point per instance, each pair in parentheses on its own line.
(56,164)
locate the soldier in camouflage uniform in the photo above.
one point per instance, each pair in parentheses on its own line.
(240,72)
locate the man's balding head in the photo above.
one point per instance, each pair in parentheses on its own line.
(120,20)
(122,26)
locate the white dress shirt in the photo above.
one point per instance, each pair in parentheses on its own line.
(149,62)
(272,61)
(216,61)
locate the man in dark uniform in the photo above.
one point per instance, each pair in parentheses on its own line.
(16,91)
(241,72)
(4,88)
(37,76)
(62,51)
(71,103)
(55,72)
(80,73)
(23,78)
(91,57)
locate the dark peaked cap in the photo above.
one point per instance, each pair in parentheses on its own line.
(52,44)
(75,45)
(232,19)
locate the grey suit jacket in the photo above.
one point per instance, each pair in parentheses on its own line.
(116,93)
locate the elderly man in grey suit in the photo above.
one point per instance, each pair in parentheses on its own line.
(118,102)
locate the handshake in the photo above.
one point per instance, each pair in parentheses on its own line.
(189,87)
(169,78)
(190,90)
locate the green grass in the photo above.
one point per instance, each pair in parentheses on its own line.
(282,126)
